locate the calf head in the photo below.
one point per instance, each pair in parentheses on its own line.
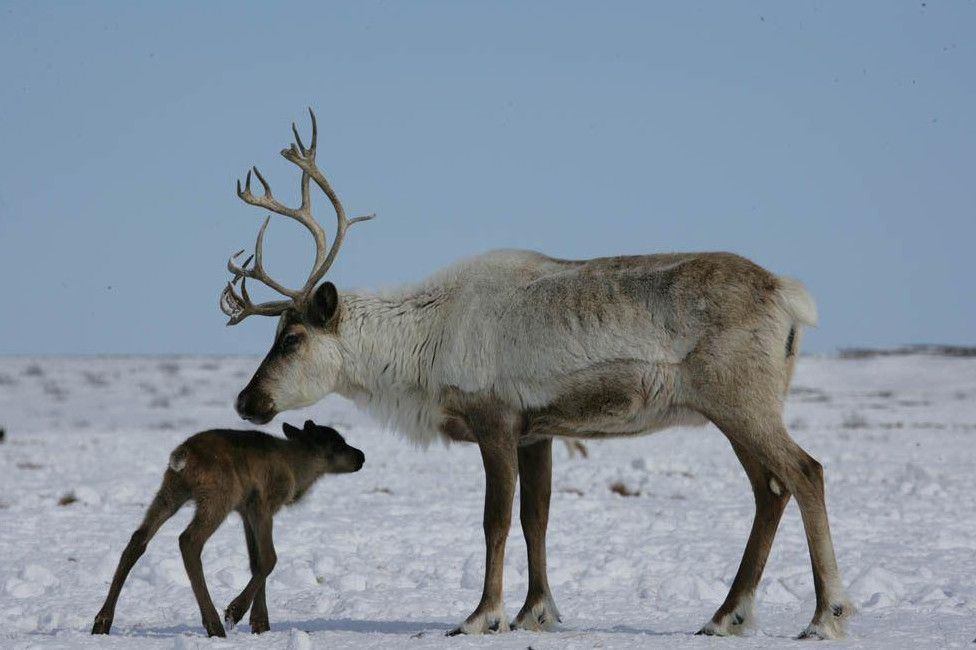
(334,455)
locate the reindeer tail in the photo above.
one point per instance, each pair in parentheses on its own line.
(795,300)
(177,460)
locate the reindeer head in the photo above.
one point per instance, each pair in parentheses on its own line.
(335,456)
(304,361)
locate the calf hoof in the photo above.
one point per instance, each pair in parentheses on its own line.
(483,621)
(214,628)
(102,625)
(257,627)
(233,614)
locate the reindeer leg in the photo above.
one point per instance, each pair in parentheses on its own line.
(168,500)
(767,440)
(535,482)
(736,613)
(259,609)
(499,455)
(258,526)
(206,520)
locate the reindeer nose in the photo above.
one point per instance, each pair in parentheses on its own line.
(360,460)
(255,407)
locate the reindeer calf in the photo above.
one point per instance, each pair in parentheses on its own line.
(247,471)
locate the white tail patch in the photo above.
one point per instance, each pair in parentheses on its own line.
(796,301)
(177,460)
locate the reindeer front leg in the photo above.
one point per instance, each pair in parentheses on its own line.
(499,455)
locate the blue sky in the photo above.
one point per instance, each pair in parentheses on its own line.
(834,142)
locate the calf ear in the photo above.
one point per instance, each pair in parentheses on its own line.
(292,433)
(323,305)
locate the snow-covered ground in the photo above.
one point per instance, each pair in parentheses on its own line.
(393,556)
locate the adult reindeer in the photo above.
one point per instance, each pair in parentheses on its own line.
(511,348)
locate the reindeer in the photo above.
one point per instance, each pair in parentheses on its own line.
(512,348)
(247,471)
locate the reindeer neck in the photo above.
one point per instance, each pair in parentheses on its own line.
(390,342)
(299,458)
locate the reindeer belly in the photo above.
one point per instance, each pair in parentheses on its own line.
(618,398)
(610,399)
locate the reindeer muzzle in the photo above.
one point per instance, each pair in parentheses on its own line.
(255,407)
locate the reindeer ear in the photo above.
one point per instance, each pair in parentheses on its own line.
(292,433)
(323,305)
(309,425)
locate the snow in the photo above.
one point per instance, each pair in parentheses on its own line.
(392,556)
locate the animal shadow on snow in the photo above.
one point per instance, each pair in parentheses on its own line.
(311,626)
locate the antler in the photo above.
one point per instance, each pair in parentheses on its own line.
(305,159)
(238,307)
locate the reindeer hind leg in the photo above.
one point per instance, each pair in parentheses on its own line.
(767,440)
(170,497)
(736,613)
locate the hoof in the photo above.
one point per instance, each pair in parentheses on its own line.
(539,616)
(483,622)
(829,625)
(233,615)
(812,633)
(821,632)
(101,626)
(258,627)
(732,624)
(215,629)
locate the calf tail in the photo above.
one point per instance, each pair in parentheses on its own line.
(177,459)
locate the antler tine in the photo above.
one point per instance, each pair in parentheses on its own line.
(298,140)
(238,307)
(315,130)
(264,183)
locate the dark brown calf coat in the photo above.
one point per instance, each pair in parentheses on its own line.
(222,471)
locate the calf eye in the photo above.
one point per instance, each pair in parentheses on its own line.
(290,341)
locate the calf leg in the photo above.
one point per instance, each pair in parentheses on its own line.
(535,483)
(258,531)
(259,609)
(735,614)
(498,453)
(206,520)
(168,500)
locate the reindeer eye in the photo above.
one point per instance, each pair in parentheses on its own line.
(290,341)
